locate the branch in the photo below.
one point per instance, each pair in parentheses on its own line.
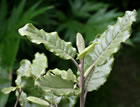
(19,91)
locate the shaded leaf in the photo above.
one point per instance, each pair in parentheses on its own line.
(68,101)
(51,41)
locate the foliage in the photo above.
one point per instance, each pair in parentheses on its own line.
(9,37)
(95,65)
(88,17)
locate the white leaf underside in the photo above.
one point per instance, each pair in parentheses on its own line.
(108,44)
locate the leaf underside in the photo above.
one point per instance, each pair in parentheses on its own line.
(108,44)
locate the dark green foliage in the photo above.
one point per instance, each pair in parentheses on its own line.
(10,20)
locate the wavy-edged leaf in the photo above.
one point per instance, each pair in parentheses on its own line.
(110,40)
(39,65)
(38,101)
(51,41)
(8,90)
(58,84)
(80,43)
(109,43)
(99,76)
(26,76)
(27,69)
(86,50)
(67,75)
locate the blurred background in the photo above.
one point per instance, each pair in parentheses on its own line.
(67,17)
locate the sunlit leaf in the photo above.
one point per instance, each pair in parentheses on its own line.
(58,84)
(109,43)
(51,98)
(51,41)
(8,90)
(39,65)
(99,76)
(86,50)
(38,101)
(80,42)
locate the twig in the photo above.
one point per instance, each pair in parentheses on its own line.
(19,91)
(76,64)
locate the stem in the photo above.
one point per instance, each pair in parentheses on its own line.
(56,105)
(19,91)
(76,64)
(85,95)
(92,66)
(82,100)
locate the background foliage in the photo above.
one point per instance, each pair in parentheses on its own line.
(67,17)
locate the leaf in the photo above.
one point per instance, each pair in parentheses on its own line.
(4,82)
(25,68)
(67,75)
(23,71)
(99,76)
(80,42)
(86,50)
(51,41)
(38,101)
(39,65)
(51,98)
(58,84)
(110,40)
(68,101)
(24,102)
(8,90)
(109,43)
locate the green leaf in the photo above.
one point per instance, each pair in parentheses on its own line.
(80,42)
(25,68)
(24,102)
(67,75)
(4,82)
(86,50)
(109,42)
(39,65)
(23,71)
(58,84)
(68,101)
(38,101)
(99,76)
(51,41)
(8,90)
(51,98)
